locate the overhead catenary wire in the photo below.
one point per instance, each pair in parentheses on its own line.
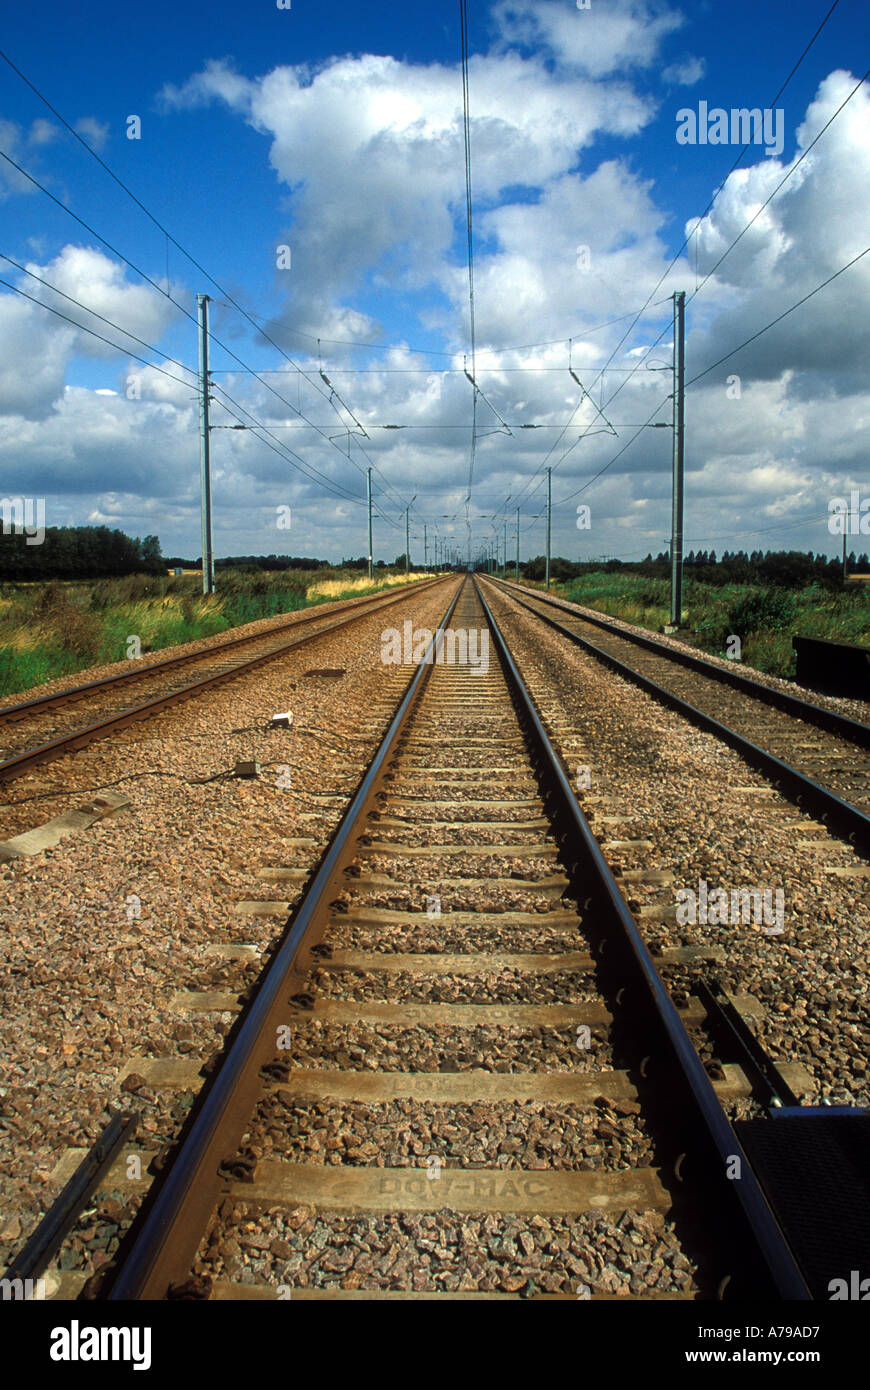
(436,352)
(285,452)
(779,318)
(722,185)
(540,472)
(102,338)
(93,312)
(130,194)
(304,467)
(699,286)
(298,462)
(751,339)
(302,464)
(791,170)
(435,371)
(115,251)
(731,353)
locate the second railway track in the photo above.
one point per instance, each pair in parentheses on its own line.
(820,758)
(46,727)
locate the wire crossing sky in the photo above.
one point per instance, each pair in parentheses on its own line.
(374,306)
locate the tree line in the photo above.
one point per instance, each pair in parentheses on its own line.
(790,569)
(78,552)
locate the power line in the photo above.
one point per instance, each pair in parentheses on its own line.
(82,329)
(284,452)
(155,220)
(782,181)
(94,314)
(301,464)
(718,363)
(93,232)
(570,496)
(275,450)
(294,366)
(313,474)
(722,185)
(443,425)
(230,298)
(296,460)
(757,214)
(440,371)
(761,531)
(780,317)
(434,352)
(540,471)
(676,257)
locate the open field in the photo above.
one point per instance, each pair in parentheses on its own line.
(764,618)
(55,629)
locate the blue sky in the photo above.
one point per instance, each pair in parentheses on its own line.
(336,131)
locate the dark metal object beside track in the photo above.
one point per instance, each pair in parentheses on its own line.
(32,1259)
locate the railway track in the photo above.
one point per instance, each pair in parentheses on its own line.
(820,758)
(461,1073)
(50,726)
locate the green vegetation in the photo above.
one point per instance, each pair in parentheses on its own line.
(764,597)
(764,617)
(54,629)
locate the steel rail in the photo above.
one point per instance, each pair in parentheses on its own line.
(849,820)
(58,698)
(19,763)
(728,1024)
(842,724)
(761,1224)
(175,1217)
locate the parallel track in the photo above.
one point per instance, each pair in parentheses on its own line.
(40,730)
(816,757)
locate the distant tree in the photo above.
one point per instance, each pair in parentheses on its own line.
(77,552)
(152,560)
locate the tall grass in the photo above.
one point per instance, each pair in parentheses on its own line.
(344,588)
(53,630)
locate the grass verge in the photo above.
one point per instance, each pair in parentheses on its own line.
(48,631)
